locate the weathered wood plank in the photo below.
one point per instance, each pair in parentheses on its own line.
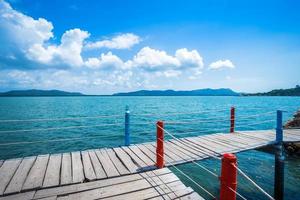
(52,175)
(77,168)
(66,169)
(127,161)
(88,169)
(135,158)
(141,155)
(147,152)
(117,163)
(99,171)
(110,191)
(108,166)
(20,196)
(188,148)
(36,174)
(181,152)
(1,162)
(7,171)
(19,177)
(69,189)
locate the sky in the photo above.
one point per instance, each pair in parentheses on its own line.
(109,46)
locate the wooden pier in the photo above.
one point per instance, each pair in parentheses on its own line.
(122,172)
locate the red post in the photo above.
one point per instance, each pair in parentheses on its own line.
(228,177)
(232,118)
(160,144)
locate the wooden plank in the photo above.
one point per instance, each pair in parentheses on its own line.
(108,166)
(117,163)
(152,148)
(20,175)
(113,190)
(66,169)
(171,157)
(77,168)
(147,152)
(148,193)
(170,147)
(206,151)
(7,171)
(135,158)
(99,171)
(49,198)
(190,147)
(126,160)
(37,172)
(52,176)
(88,169)
(196,154)
(68,189)
(1,162)
(182,152)
(19,196)
(141,155)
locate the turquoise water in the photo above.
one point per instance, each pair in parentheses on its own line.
(206,114)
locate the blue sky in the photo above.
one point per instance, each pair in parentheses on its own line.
(102,47)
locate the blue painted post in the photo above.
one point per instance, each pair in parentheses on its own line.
(279,160)
(127,123)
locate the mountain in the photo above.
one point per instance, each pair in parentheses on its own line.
(279,92)
(39,93)
(199,92)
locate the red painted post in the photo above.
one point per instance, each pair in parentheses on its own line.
(160,144)
(232,119)
(228,177)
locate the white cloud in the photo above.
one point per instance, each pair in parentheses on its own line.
(221,64)
(23,29)
(152,59)
(191,59)
(105,61)
(68,52)
(158,60)
(123,41)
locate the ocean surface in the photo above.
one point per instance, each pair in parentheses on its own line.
(40,125)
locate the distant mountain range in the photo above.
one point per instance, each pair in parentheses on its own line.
(200,92)
(18,93)
(279,92)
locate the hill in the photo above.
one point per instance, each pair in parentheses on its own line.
(199,92)
(279,92)
(39,93)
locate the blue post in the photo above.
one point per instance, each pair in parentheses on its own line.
(127,130)
(279,132)
(279,160)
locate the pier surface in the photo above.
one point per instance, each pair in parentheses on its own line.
(122,172)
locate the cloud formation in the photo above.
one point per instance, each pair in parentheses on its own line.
(30,56)
(123,41)
(221,64)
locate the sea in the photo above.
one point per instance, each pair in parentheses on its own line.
(42,125)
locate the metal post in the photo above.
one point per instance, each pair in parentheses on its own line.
(232,119)
(160,144)
(279,160)
(127,123)
(228,177)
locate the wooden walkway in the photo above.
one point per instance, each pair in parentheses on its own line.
(156,184)
(60,170)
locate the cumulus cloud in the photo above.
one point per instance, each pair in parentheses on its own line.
(158,60)
(105,61)
(221,64)
(123,41)
(68,52)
